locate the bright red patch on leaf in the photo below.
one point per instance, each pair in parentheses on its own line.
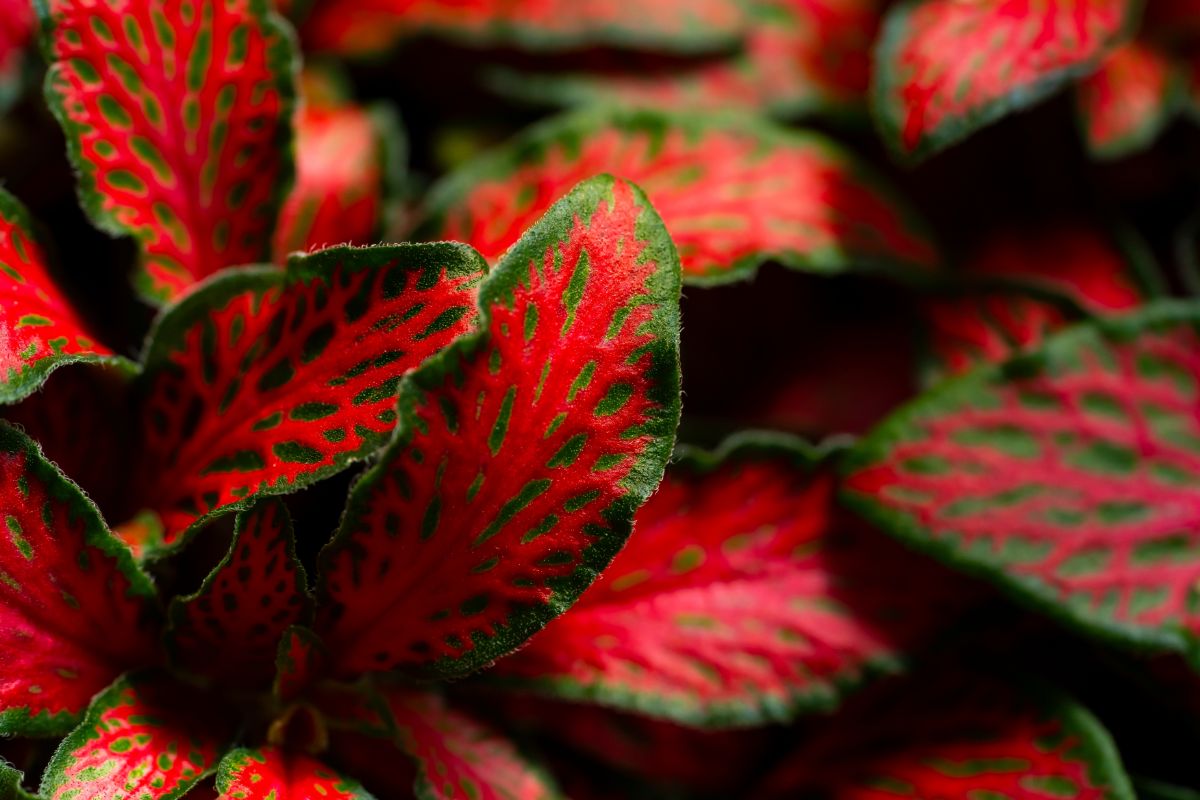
(269,773)
(142,737)
(368,26)
(265,381)
(1128,101)
(457,758)
(74,609)
(178,119)
(522,454)
(39,330)
(945,68)
(741,597)
(339,188)
(1069,476)
(731,194)
(229,631)
(950,738)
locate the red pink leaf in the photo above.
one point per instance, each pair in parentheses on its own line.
(74,609)
(457,758)
(39,331)
(952,738)
(229,631)
(1126,103)
(17,21)
(945,68)
(269,773)
(369,26)
(299,662)
(523,451)
(1068,476)
(732,194)
(742,598)
(178,120)
(142,737)
(264,381)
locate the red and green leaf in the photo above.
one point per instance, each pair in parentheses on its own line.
(146,737)
(264,381)
(1126,103)
(360,27)
(798,56)
(743,598)
(1028,277)
(75,611)
(341,178)
(39,331)
(953,738)
(229,630)
(11,787)
(523,451)
(1068,475)
(269,773)
(300,661)
(946,68)
(458,758)
(178,120)
(17,25)
(732,194)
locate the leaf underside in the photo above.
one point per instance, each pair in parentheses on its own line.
(178,120)
(743,598)
(1127,102)
(265,381)
(950,737)
(732,194)
(74,609)
(523,451)
(229,631)
(1069,476)
(946,68)
(269,773)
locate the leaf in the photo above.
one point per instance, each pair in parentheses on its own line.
(74,609)
(457,758)
(363,27)
(300,661)
(798,56)
(16,35)
(733,194)
(40,332)
(945,68)
(377,763)
(522,451)
(1126,103)
(143,734)
(1030,276)
(955,735)
(265,381)
(229,630)
(341,177)
(10,783)
(743,598)
(178,122)
(269,773)
(1068,476)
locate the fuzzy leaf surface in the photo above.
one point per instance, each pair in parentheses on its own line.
(946,68)
(339,191)
(178,120)
(358,27)
(952,738)
(269,773)
(524,451)
(265,381)
(458,758)
(74,609)
(1126,103)
(743,597)
(39,330)
(229,631)
(732,194)
(1068,476)
(144,736)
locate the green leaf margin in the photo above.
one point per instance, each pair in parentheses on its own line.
(229,766)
